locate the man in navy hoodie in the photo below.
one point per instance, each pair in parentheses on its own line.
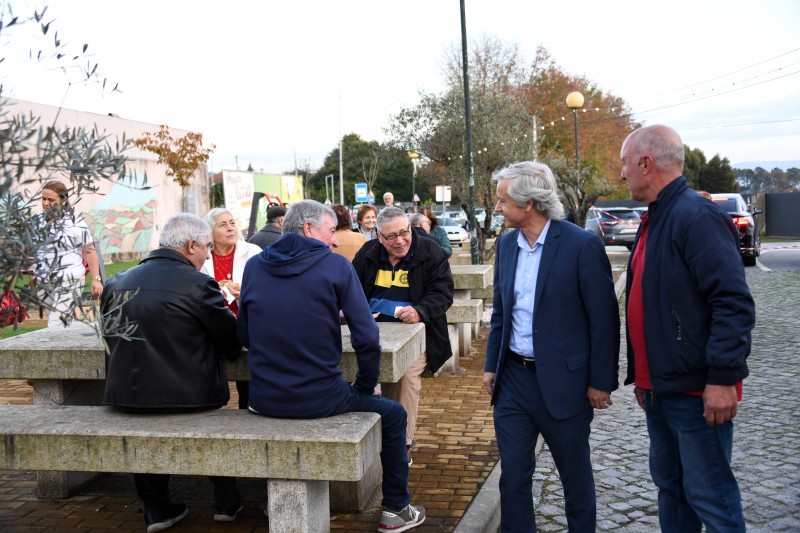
(295,353)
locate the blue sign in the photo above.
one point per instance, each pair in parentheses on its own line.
(361,192)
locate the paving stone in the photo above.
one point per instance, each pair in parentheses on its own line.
(766,448)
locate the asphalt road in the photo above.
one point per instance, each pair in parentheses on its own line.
(780,257)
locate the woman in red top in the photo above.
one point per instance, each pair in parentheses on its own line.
(229,253)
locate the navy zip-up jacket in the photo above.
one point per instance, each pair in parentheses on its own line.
(289,319)
(698,311)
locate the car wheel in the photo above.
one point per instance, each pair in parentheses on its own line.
(749,260)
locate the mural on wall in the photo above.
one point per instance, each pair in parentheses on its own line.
(123,220)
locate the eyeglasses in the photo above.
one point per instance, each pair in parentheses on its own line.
(393,236)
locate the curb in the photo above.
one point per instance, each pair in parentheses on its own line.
(483,514)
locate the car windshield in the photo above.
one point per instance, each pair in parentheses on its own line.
(445,221)
(622,214)
(727,204)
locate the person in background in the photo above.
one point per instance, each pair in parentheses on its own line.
(294,354)
(438,232)
(173,361)
(367,219)
(349,241)
(422,226)
(225,264)
(407,279)
(72,243)
(689,320)
(706,195)
(272,231)
(388,199)
(552,354)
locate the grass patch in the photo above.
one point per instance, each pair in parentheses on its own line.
(9,331)
(113,268)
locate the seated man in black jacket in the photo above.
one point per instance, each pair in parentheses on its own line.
(183,329)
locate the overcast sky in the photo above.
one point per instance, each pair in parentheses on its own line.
(274,82)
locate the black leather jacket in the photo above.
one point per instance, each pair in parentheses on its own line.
(183,328)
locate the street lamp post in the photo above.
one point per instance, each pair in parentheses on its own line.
(575,102)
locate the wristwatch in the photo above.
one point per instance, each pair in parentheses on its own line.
(98,278)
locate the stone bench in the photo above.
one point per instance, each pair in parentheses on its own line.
(297,457)
(468,277)
(460,318)
(67,367)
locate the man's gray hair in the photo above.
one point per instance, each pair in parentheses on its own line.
(389,213)
(416,219)
(306,211)
(212,216)
(183,228)
(532,181)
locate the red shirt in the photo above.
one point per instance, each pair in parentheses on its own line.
(635,317)
(223,271)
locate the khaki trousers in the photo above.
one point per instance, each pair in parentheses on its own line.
(406,393)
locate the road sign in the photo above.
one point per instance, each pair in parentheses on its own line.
(361,192)
(442,193)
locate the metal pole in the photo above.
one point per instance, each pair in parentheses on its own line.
(465,64)
(341,160)
(575,115)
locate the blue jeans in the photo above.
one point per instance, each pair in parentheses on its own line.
(691,465)
(393,451)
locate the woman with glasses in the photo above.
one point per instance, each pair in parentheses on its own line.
(437,231)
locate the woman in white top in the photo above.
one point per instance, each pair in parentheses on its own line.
(229,253)
(71,244)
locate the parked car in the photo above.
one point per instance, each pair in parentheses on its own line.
(455,233)
(640,211)
(746,225)
(459,216)
(617,226)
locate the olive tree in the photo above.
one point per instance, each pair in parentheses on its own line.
(33,152)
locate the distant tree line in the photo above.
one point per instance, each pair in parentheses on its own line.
(713,176)
(775,180)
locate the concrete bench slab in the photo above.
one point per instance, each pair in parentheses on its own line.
(299,457)
(465,310)
(77,353)
(467,277)
(461,316)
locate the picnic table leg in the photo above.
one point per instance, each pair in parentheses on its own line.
(52,485)
(298,506)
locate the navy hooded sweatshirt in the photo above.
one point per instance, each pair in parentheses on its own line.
(289,319)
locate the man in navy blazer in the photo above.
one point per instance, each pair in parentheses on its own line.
(553,349)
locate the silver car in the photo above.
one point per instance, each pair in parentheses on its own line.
(617,226)
(455,233)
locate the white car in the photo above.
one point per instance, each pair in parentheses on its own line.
(460,217)
(455,233)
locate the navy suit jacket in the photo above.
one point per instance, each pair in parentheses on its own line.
(575,318)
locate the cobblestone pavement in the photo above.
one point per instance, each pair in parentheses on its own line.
(766,448)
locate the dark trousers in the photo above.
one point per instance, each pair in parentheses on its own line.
(243,388)
(153,491)
(519,417)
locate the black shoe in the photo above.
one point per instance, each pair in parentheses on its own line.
(165,517)
(227,514)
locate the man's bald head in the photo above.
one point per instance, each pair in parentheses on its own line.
(651,158)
